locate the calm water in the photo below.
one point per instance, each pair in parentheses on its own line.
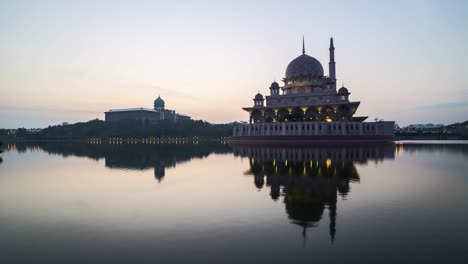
(213,203)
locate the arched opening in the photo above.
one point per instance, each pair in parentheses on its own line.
(256,116)
(270,116)
(312,114)
(328,114)
(344,113)
(283,115)
(297,114)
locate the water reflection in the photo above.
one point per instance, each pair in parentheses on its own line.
(69,209)
(310,178)
(77,210)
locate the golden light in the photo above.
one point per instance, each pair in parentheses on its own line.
(328,119)
(328,162)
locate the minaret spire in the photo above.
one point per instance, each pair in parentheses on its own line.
(303,45)
(331,65)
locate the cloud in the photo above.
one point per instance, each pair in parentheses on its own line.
(172,92)
(46,109)
(444,113)
(442,106)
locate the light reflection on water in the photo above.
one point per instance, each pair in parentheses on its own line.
(217,203)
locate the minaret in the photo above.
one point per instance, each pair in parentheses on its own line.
(331,64)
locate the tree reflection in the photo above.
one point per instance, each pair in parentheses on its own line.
(310,178)
(1,150)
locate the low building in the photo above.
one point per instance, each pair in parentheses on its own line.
(158,113)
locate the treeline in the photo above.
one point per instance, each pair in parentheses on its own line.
(125,129)
(456,125)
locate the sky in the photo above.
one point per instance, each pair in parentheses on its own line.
(70,61)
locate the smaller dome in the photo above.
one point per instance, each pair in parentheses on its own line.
(259,96)
(274,85)
(159,102)
(343,90)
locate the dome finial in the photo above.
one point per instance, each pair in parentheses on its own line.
(303,45)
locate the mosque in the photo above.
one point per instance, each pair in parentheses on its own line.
(159,112)
(309,107)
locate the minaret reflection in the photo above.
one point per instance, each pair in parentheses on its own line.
(310,178)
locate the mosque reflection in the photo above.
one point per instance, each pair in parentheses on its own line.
(309,179)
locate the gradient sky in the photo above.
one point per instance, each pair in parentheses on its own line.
(69,61)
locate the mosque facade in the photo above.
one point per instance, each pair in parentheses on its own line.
(309,107)
(157,113)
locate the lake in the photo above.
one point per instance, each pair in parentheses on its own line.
(216,203)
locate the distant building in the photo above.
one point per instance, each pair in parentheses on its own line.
(158,113)
(424,126)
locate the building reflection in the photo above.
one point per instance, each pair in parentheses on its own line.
(310,179)
(158,157)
